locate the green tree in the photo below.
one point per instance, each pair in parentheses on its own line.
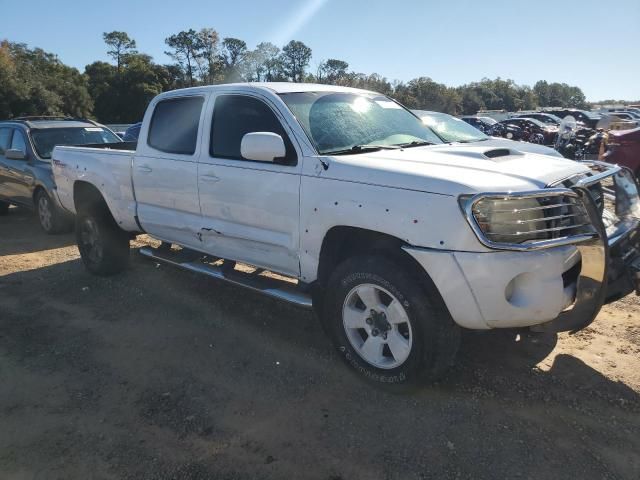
(295,58)
(120,45)
(234,51)
(332,71)
(425,94)
(185,48)
(35,82)
(208,58)
(261,64)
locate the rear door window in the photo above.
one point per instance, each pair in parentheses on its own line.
(174,125)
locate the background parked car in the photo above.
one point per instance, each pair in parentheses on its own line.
(590,119)
(532,127)
(623,148)
(453,129)
(483,124)
(25,163)
(546,118)
(131,134)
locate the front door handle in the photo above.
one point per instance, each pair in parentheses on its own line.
(209,178)
(145,168)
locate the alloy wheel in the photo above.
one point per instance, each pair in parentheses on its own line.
(377,326)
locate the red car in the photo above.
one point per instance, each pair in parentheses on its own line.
(624,149)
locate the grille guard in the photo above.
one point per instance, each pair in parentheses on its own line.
(594,248)
(591,286)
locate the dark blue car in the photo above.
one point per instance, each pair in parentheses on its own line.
(132,133)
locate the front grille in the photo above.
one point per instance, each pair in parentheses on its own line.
(553,217)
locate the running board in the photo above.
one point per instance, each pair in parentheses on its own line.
(268,286)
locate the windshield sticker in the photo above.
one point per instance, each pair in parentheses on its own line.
(388,104)
(93,129)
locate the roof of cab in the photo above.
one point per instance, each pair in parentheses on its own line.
(275,87)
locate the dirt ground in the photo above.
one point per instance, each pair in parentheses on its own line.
(161,374)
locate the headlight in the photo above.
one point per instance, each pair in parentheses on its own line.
(529,219)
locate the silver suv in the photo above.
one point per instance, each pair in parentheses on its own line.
(26,144)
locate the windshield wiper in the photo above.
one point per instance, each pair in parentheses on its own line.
(362,149)
(415,143)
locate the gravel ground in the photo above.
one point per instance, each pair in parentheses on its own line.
(161,374)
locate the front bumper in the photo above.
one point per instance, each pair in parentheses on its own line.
(561,288)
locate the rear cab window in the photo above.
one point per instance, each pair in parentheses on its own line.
(174,125)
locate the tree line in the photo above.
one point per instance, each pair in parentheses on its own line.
(36,82)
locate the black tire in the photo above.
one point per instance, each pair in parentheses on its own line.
(51,219)
(103,246)
(4,208)
(434,336)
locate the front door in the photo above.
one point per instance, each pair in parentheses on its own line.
(250,209)
(165,172)
(19,176)
(5,180)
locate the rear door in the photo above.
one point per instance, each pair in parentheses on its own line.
(250,209)
(165,171)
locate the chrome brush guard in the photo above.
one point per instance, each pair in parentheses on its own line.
(610,249)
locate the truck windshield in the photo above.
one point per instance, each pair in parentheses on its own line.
(45,139)
(337,121)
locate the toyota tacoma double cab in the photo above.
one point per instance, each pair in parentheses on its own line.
(343,201)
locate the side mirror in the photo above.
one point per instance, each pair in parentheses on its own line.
(262,146)
(14,154)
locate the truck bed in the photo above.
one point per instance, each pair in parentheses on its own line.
(105,165)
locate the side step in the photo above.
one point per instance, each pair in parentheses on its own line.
(256,281)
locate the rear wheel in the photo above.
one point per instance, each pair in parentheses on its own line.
(103,246)
(51,219)
(386,326)
(4,208)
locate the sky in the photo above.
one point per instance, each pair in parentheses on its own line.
(588,43)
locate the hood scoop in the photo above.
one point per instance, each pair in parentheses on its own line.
(499,152)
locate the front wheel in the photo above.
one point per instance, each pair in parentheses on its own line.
(386,325)
(103,246)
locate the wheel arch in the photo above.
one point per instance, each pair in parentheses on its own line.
(343,242)
(37,189)
(86,196)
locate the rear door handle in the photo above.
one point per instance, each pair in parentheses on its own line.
(145,168)
(209,178)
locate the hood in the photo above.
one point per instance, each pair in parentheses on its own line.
(455,169)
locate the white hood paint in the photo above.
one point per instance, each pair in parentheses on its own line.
(452,170)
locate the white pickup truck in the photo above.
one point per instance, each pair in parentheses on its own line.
(343,200)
